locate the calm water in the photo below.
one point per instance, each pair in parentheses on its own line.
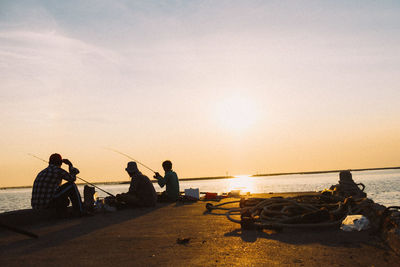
(381,186)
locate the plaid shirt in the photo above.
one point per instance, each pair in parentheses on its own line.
(46,184)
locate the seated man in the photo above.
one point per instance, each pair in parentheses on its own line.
(141,190)
(47,191)
(170,179)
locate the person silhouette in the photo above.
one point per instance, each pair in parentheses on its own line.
(171,181)
(47,191)
(141,190)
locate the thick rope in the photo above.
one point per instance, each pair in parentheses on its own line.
(304,211)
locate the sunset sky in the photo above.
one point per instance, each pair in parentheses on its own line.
(217,87)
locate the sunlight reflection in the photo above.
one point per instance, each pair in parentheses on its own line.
(244,183)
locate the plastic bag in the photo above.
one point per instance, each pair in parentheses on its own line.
(355,222)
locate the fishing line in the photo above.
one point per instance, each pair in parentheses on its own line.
(129,157)
(76,176)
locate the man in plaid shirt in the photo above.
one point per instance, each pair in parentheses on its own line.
(48,192)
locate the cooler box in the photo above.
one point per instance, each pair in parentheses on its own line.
(193,192)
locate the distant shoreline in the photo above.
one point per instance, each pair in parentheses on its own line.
(228,177)
(329,171)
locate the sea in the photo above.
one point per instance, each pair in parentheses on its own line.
(382,186)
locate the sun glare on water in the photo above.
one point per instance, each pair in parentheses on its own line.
(236,113)
(244,183)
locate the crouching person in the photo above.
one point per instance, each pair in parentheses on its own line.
(47,191)
(141,190)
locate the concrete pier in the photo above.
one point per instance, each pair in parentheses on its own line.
(180,234)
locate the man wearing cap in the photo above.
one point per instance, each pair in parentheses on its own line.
(141,190)
(47,191)
(171,181)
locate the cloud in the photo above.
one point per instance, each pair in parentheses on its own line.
(46,73)
(45,60)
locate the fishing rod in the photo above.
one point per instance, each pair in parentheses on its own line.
(38,158)
(129,157)
(76,176)
(18,230)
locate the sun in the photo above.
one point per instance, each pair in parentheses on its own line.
(236,113)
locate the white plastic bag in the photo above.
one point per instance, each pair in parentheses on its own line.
(355,222)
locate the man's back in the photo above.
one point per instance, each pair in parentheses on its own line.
(143,188)
(172,185)
(46,183)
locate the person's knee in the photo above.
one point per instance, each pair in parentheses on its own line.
(130,199)
(70,184)
(60,202)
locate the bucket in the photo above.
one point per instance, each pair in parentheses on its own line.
(211,195)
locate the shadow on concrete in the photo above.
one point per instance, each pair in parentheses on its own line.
(328,237)
(184,203)
(57,231)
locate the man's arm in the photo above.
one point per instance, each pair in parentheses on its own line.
(133,185)
(161,180)
(71,176)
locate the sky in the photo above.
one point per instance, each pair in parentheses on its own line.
(217,87)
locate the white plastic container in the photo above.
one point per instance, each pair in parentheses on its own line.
(193,192)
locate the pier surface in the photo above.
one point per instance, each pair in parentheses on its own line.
(182,235)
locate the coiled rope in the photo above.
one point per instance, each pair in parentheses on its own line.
(304,211)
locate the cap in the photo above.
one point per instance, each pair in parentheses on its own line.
(132,167)
(55,159)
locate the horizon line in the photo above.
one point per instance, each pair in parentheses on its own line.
(229,176)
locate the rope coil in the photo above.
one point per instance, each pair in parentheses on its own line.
(304,211)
